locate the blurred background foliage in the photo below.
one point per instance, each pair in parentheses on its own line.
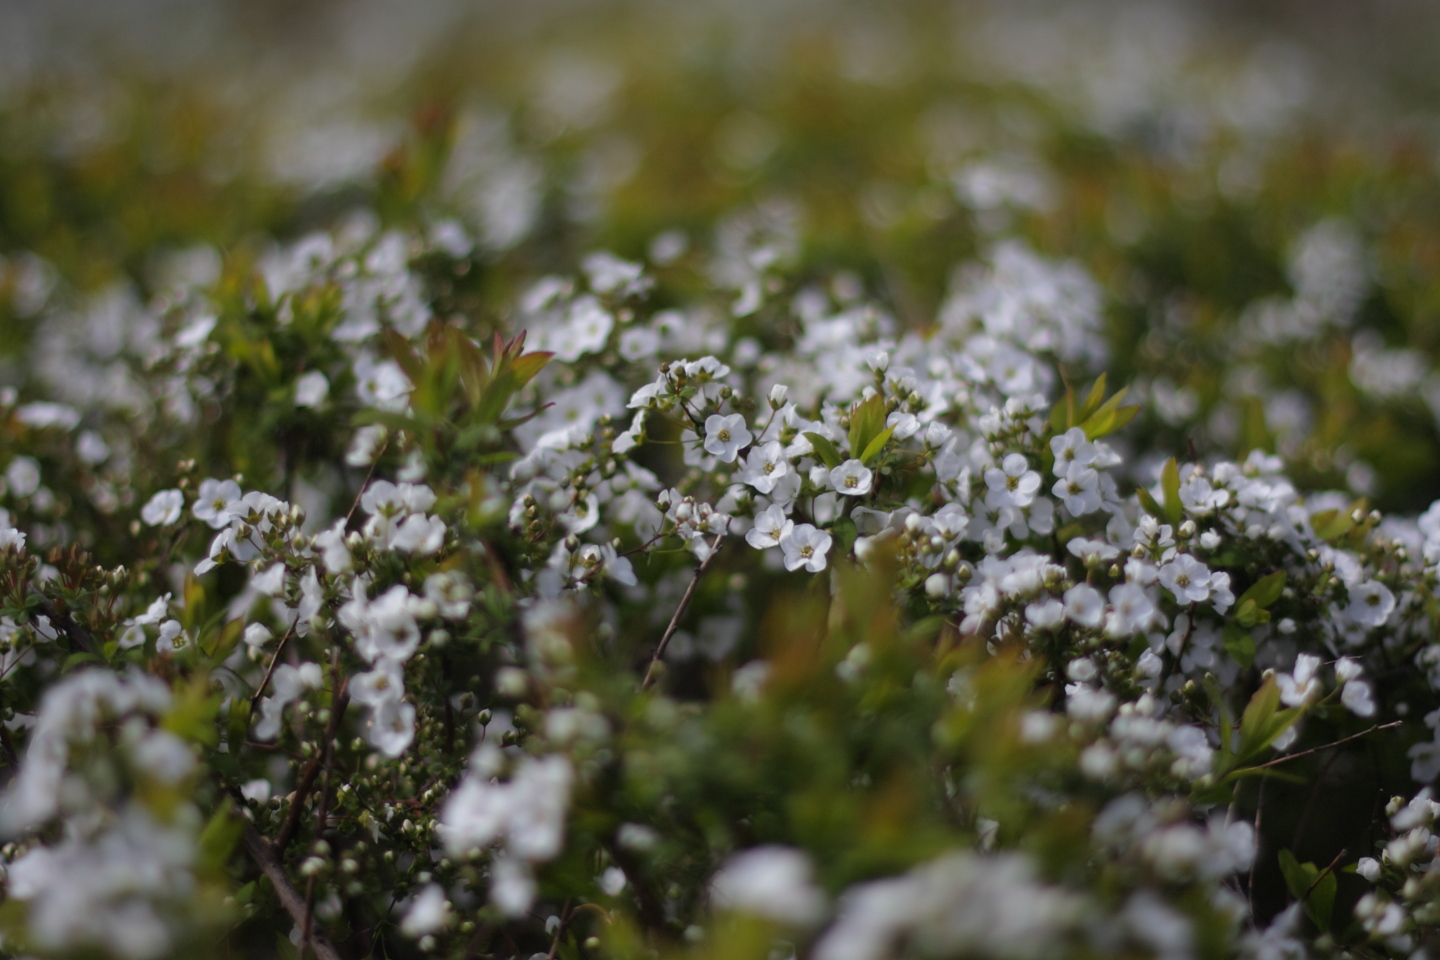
(1183,152)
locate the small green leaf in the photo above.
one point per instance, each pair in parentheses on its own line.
(1093,399)
(1316,892)
(1331,525)
(876,447)
(1266,590)
(867,419)
(219,838)
(1240,644)
(1148,502)
(1170,487)
(824,449)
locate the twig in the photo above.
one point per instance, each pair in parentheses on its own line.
(1327,746)
(679,612)
(312,770)
(366,482)
(565,913)
(1323,873)
(270,670)
(265,858)
(327,755)
(78,635)
(1259,817)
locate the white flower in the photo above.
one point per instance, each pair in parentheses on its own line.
(772,882)
(217,502)
(1071,447)
(1347,669)
(1133,611)
(595,558)
(163,509)
(1079,488)
(1369,868)
(1298,686)
(1012,484)
(333,552)
(428,912)
(1355,695)
(366,445)
(311,389)
(770,529)
(764,467)
(1187,578)
(852,478)
(257,635)
(381,684)
(1084,605)
(23,476)
(419,534)
(806,547)
(391,727)
(1371,603)
(725,436)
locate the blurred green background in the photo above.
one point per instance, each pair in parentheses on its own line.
(1253,184)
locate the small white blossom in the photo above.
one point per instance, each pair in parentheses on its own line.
(806,547)
(163,508)
(725,436)
(852,478)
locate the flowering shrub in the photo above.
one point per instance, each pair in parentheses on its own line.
(419,571)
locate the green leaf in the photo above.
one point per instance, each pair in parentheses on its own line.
(1266,590)
(1240,644)
(526,366)
(79,659)
(1104,424)
(824,449)
(1093,399)
(845,533)
(1170,487)
(192,712)
(219,838)
(1148,502)
(867,419)
(1263,720)
(876,447)
(1316,892)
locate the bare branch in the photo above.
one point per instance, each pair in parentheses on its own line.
(679,612)
(312,770)
(265,858)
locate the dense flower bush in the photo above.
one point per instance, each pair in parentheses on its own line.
(946,525)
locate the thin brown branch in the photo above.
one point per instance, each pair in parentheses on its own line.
(266,859)
(679,613)
(327,755)
(270,670)
(312,770)
(366,482)
(561,929)
(1326,746)
(79,637)
(1323,874)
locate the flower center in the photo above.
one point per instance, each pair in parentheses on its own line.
(724,436)
(1182,581)
(1012,483)
(851,483)
(807,552)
